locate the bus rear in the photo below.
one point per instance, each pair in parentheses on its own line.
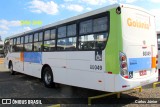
(138,58)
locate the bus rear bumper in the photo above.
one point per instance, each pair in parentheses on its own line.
(122,84)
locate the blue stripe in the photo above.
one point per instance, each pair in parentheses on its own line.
(135,64)
(34,57)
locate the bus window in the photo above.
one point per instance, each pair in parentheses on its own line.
(93,41)
(26,39)
(40,36)
(22,40)
(28,47)
(30,38)
(71,43)
(71,30)
(18,40)
(35,37)
(53,34)
(100,24)
(49,45)
(62,32)
(86,27)
(47,35)
(37,46)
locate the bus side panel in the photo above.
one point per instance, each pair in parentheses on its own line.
(73,68)
(57,62)
(114,44)
(17,63)
(80,73)
(113,47)
(33,63)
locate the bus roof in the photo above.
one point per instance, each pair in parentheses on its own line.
(97,11)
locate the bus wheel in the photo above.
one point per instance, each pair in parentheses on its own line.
(48,77)
(11,68)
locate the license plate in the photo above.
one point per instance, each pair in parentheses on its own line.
(143,72)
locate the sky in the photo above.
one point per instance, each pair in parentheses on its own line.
(18,16)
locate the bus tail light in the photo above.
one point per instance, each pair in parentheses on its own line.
(123,65)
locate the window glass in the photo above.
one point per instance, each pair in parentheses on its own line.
(30,38)
(40,36)
(19,48)
(86,27)
(13,48)
(26,39)
(22,40)
(70,43)
(66,44)
(15,41)
(100,24)
(18,40)
(36,37)
(38,46)
(62,32)
(93,41)
(61,44)
(28,47)
(71,30)
(11,41)
(49,45)
(47,35)
(53,34)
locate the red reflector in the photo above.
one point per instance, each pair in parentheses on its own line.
(156,56)
(109,72)
(125,76)
(144,47)
(157,62)
(99,81)
(124,86)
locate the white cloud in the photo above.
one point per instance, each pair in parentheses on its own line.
(155,1)
(4,27)
(26,29)
(99,2)
(5,24)
(73,7)
(88,8)
(68,0)
(38,6)
(3,32)
(112,1)
(94,2)
(156,12)
(128,1)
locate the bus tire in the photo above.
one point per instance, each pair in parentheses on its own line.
(48,77)
(11,68)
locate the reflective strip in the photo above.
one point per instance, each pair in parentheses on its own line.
(22,56)
(154,62)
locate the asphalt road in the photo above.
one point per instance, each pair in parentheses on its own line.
(24,86)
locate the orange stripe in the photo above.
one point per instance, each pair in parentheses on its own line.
(154,62)
(21,56)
